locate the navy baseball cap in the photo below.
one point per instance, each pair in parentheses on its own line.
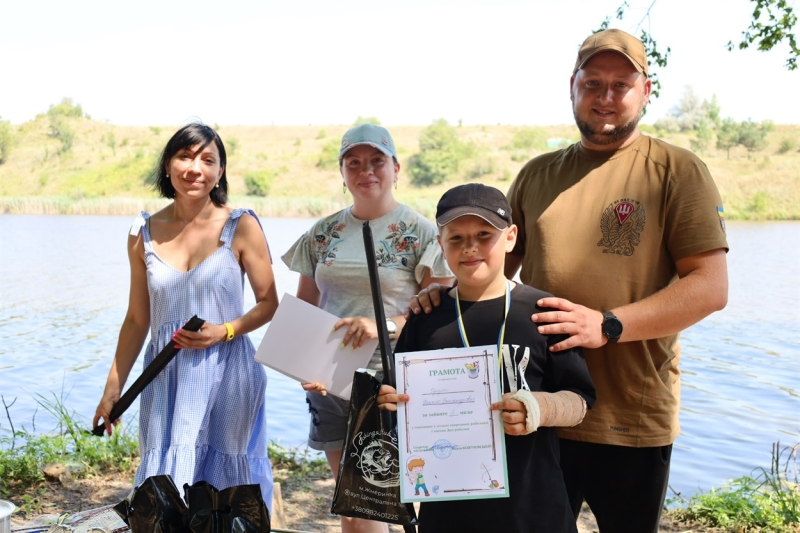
(474,199)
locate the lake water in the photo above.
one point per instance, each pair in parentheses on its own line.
(63,295)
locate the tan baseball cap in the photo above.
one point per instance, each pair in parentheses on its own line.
(615,41)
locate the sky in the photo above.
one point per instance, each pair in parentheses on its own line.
(407,62)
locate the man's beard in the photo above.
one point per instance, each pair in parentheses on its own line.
(616,134)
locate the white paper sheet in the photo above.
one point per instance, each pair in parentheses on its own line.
(300,343)
(452,444)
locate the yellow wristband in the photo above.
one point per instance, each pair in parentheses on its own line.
(228,327)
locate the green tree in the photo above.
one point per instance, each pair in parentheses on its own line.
(771,23)
(704,135)
(753,136)
(713,111)
(439,154)
(728,135)
(7,140)
(66,109)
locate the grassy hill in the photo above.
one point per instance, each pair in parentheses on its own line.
(105,170)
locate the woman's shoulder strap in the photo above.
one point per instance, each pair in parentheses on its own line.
(233,221)
(142,220)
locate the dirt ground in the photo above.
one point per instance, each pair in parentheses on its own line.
(305,503)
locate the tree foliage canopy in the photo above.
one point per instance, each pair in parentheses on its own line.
(773,21)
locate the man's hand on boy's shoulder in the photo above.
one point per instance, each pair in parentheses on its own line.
(583,325)
(426,300)
(388,398)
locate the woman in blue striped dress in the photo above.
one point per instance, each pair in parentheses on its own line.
(203,418)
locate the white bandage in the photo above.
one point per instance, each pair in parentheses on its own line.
(533,414)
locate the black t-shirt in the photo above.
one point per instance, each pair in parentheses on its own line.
(537,499)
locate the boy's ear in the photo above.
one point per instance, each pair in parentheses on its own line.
(511,238)
(439,240)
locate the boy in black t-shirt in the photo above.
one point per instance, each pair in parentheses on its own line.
(542,390)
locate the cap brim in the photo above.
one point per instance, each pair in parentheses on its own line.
(380,147)
(490,217)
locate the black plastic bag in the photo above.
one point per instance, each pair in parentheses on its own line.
(232,510)
(368,485)
(154,507)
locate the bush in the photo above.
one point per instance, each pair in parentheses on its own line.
(7,140)
(65,109)
(329,157)
(259,182)
(366,120)
(439,156)
(770,501)
(787,145)
(232,145)
(61,130)
(529,139)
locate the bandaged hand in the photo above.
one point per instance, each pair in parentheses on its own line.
(524,412)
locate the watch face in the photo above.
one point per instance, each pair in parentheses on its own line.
(612,327)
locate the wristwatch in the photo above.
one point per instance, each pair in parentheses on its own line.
(391,327)
(612,327)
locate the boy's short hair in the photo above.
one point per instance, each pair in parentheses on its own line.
(474,199)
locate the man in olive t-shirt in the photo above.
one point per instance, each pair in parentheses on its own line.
(628,232)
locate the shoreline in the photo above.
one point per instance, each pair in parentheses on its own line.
(273,207)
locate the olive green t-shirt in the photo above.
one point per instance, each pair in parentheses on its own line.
(604,230)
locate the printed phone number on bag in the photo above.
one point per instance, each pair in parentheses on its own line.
(376,514)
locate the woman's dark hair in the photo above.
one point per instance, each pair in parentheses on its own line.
(186,137)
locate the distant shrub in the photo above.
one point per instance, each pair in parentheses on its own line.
(534,138)
(111,141)
(787,145)
(66,109)
(232,145)
(366,120)
(155,129)
(61,130)
(7,140)
(259,182)
(329,157)
(480,168)
(321,134)
(668,124)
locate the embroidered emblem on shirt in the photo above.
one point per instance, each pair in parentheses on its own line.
(325,243)
(622,224)
(721,213)
(399,246)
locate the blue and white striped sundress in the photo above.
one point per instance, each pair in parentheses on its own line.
(203,417)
